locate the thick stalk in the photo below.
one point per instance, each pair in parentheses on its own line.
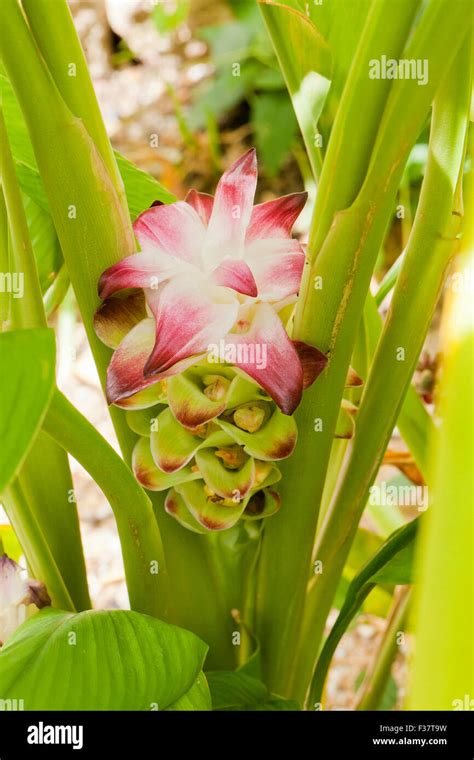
(416,294)
(142,551)
(53,29)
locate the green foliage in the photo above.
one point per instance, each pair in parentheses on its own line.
(247,72)
(274,127)
(236,690)
(102,660)
(27,360)
(393,564)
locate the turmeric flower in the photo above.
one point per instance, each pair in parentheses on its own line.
(216,273)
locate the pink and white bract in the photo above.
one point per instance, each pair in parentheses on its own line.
(16,593)
(215,271)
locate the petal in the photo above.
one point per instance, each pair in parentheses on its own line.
(125,372)
(202,203)
(267,354)
(232,209)
(275,440)
(312,361)
(275,218)
(277,265)
(141,270)
(117,316)
(235,274)
(13,588)
(172,447)
(150,476)
(262,504)
(176,507)
(345,426)
(209,512)
(173,229)
(190,317)
(353,380)
(142,421)
(16,593)
(242,390)
(189,403)
(226,483)
(143,399)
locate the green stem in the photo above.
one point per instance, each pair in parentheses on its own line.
(145,571)
(54,32)
(34,545)
(376,678)
(404,198)
(26,311)
(413,303)
(56,293)
(389,281)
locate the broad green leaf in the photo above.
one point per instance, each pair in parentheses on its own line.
(102,660)
(236,690)
(197,698)
(27,360)
(141,188)
(270,111)
(233,690)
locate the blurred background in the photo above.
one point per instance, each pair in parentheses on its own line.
(185,87)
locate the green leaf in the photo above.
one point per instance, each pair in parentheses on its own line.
(27,360)
(197,698)
(233,690)
(114,660)
(386,566)
(44,240)
(269,112)
(141,188)
(236,690)
(305,60)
